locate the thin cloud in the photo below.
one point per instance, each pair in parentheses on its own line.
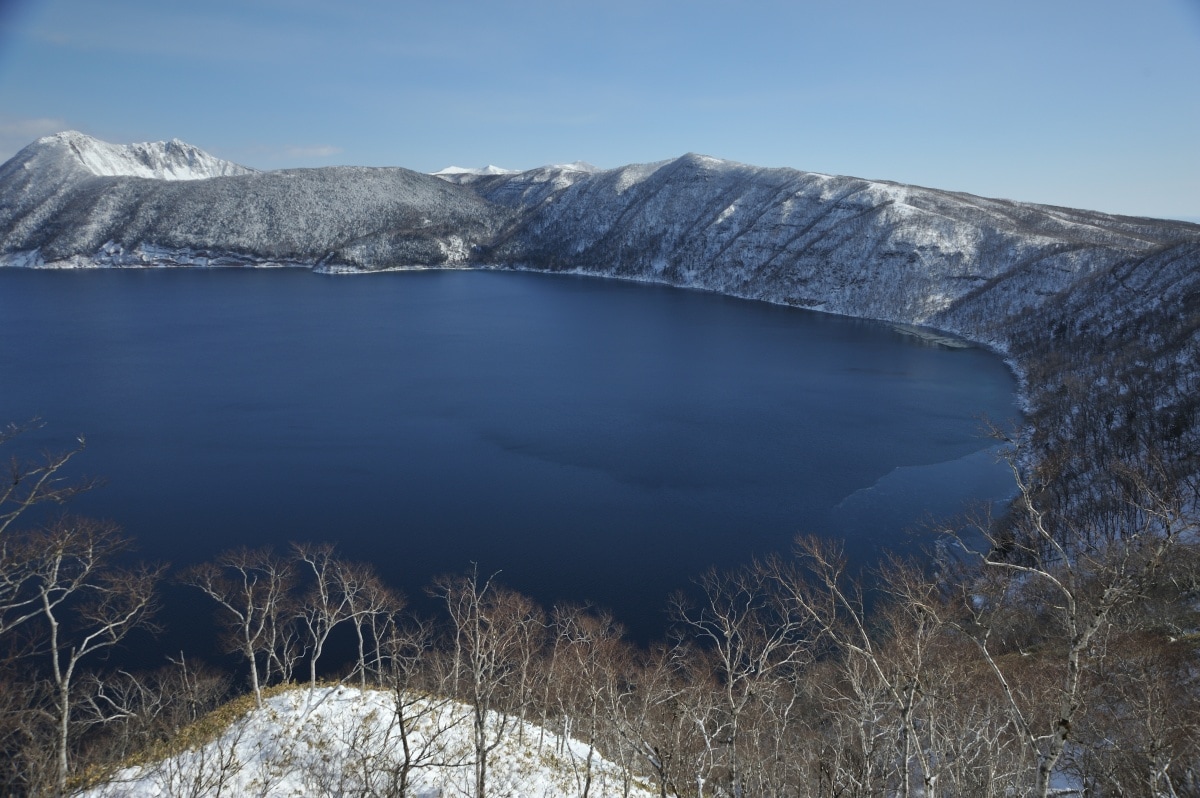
(317,151)
(15,133)
(31,128)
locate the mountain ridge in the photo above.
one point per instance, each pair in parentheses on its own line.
(879,249)
(66,162)
(56,209)
(1031,281)
(162,160)
(866,248)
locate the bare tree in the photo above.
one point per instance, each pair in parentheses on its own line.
(492,629)
(86,605)
(1141,733)
(753,635)
(371,608)
(1074,583)
(136,711)
(253,587)
(586,675)
(27,484)
(417,703)
(854,745)
(27,764)
(836,607)
(326,604)
(649,715)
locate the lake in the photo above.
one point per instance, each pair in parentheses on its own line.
(589,439)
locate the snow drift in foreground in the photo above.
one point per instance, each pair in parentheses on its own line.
(340,740)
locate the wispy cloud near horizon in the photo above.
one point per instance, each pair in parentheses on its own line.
(17,132)
(314,151)
(31,128)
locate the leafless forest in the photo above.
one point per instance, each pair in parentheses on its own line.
(1054,647)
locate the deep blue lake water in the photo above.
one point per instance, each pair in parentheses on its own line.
(593,440)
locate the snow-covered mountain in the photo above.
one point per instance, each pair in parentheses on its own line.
(525,190)
(1033,281)
(865,248)
(162,160)
(68,200)
(841,244)
(453,172)
(345,741)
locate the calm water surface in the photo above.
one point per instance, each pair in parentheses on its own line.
(593,440)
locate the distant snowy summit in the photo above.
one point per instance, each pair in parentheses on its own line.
(161,160)
(576,166)
(464,170)
(489,170)
(520,189)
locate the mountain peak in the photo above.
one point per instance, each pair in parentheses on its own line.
(460,172)
(162,160)
(463,170)
(576,166)
(700,160)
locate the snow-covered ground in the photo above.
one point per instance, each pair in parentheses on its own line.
(346,741)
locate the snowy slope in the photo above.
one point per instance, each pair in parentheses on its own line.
(841,244)
(163,160)
(343,741)
(525,190)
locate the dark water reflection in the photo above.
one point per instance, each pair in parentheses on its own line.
(591,439)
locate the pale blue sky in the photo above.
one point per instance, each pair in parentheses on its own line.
(1092,104)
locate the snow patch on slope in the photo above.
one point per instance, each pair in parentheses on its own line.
(346,741)
(634,174)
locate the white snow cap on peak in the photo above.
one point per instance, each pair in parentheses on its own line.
(163,160)
(577,166)
(486,170)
